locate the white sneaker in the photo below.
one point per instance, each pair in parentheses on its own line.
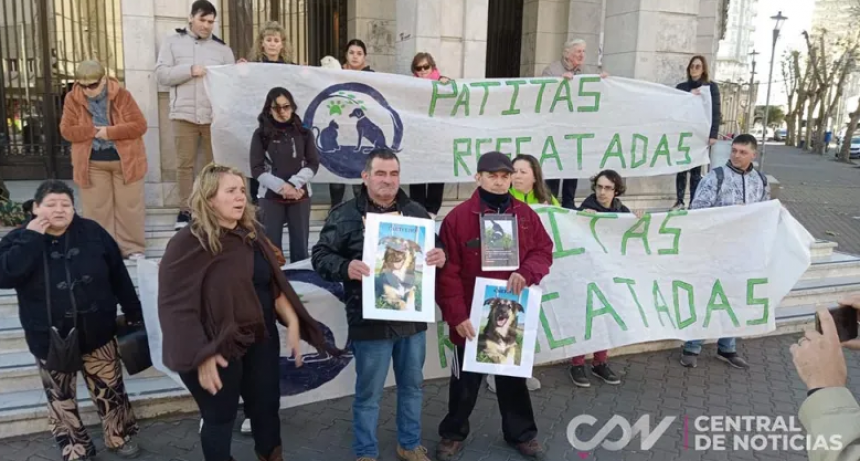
(246,426)
(533,384)
(201,426)
(135,256)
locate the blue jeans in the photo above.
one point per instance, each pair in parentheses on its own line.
(724,345)
(372,359)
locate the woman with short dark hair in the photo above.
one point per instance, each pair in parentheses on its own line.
(606,187)
(698,76)
(355,56)
(284,159)
(69,274)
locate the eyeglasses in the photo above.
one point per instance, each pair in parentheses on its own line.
(696,66)
(280,108)
(604,188)
(423,68)
(91,86)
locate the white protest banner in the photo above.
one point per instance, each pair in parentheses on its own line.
(616,280)
(575,127)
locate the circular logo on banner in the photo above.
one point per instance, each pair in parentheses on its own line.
(318,367)
(349,120)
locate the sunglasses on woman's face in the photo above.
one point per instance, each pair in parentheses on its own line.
(280,108)
(91,86)
(423,68)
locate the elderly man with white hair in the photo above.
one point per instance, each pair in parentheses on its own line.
(572,63)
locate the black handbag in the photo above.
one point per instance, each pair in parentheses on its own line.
(64,354)
(133,345)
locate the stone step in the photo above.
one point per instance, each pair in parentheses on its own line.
(24,412)
(835,264)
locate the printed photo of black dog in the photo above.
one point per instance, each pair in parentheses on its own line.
(501,338)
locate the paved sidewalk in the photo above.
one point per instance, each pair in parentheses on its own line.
(654,384)
(821,193)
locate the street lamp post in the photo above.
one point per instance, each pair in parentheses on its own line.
(750,118)
(779,18)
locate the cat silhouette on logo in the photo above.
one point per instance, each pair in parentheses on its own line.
(327,138)
(368,130)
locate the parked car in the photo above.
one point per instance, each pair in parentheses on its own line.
(853,151)
(779,135)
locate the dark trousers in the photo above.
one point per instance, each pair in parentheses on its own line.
(681,183)
(428,195)
(255,378)
(253,185)
(515,405)
(337,192)
(568,193)
(297,217)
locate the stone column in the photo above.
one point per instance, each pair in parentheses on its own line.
(138,23)
(545,29)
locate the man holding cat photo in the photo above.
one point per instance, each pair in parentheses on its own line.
(455,287)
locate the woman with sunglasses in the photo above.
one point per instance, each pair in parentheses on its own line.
(105,127)
(698,76)
(284,159)
(428,195)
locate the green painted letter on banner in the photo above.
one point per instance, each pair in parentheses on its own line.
(437,96)
(630,283)
(723,304)
(579,138)
(660,305)
(644,141)
(614,150)
(631,233)
(550,338)
(459,153)
(677,286)
(463,100)
(674,231)
(753,301)
(590,313)
(486,86)
(584,94)
(685,149)
(662,151)
(550,153)
(563,87)
(516,84)
(559,252)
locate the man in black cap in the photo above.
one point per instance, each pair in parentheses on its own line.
(455,286)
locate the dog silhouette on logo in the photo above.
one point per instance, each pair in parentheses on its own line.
(367,130)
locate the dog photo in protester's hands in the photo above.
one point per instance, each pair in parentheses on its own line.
(501,337)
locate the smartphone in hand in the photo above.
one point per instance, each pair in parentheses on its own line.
(845,318)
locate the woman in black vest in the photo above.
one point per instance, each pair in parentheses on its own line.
(284,159)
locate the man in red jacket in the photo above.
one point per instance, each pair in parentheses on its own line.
(455,287)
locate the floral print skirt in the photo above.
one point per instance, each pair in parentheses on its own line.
(103,374)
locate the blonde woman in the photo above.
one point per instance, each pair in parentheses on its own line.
(271,46)
(221,290)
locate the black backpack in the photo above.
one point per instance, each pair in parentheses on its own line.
(721,175)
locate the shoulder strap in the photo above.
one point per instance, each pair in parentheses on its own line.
(763,184)
(720,176)
(47,285)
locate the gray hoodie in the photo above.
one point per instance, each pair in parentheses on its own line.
(180,51)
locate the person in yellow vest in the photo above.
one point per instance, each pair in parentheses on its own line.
(527,184)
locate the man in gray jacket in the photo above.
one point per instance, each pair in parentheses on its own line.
(572,63)
(735,183)
(181,66)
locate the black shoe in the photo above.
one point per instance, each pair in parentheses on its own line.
(182,220)
(689,360)
(577,375)
(679,206)
(605,373)
(733,359)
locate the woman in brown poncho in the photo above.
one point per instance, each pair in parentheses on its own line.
(220,292)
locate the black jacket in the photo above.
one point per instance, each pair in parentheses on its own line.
(591,203)
(289,154)
(92,265)
(690,85)
(341,241)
